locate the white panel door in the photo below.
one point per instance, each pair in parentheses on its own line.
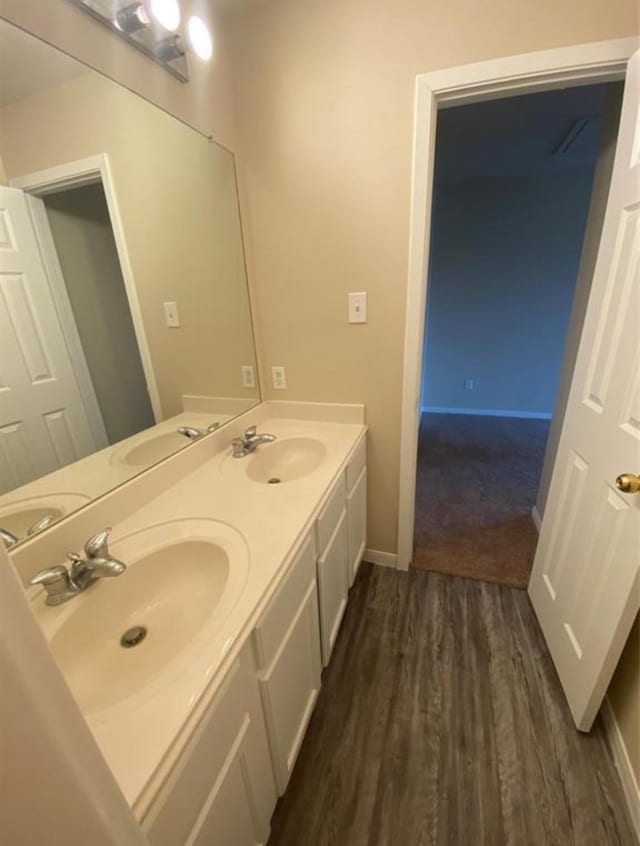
(43,423)
(584,585)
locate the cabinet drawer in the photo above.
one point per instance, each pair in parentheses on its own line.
(333,586)
(330,514)
(356,464)
(274,623)
(357,519)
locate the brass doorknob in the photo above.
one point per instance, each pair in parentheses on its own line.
(628,483)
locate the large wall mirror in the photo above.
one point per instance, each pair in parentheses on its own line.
(125,324)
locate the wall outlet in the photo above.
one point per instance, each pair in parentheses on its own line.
(358,307)
(171,316)
(469,384)
(278,378)
(248,376)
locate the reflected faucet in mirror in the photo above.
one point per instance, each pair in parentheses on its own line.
(62,583)
(9,539)
(194,434)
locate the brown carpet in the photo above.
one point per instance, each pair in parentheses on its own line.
(477,481)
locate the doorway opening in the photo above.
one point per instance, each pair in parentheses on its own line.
(514,234)
(97,309)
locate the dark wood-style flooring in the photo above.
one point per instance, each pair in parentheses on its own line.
(477,480)
(441,722)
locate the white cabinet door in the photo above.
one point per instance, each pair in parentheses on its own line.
(221,790)
(290,686)
(357,518)
(333,586)
(230,816)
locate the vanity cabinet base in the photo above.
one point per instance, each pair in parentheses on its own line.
(222,789)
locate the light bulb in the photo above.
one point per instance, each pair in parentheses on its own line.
(200,38)
(166,13)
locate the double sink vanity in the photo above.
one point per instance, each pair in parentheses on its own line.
(197,667)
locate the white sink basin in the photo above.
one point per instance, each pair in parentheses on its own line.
(284,460)
(182,580)
(19,516)
(150,450)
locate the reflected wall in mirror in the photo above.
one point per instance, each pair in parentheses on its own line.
(124,310)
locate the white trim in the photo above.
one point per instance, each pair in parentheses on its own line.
(558,68)
(64,311)
(488,412)
(622,761)
(382,559)
(537,519)
(87,172)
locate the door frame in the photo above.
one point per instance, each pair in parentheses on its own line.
(563,67)
(75,174)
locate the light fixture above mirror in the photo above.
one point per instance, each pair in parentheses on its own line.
(155,27)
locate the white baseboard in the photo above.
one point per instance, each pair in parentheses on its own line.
(382,559)
(535,516)
(488,412)
(623,764)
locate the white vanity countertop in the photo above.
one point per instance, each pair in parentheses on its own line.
(141,736)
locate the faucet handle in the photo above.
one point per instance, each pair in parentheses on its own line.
(97,546)
(250,432)
(57,582)
(50,576)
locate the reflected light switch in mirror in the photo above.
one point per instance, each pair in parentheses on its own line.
(248,376)
(171,315)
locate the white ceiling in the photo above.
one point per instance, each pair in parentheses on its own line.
(517,134)
(28,65)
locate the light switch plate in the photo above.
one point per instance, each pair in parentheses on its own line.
(358,307)
(171,316)
(279,378)
(248,376)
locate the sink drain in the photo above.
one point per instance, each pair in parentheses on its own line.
(133,636)
(274,480)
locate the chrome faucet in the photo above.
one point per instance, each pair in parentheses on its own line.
(249,442)
(62,583)
(8,538)
(193,434)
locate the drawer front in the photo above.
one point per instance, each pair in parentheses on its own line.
(357,518)
(274,623)
(289,687)
(233,725)
(356,464)
(330,514)
(333,586)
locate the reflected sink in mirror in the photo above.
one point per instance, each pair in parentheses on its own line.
(150,450)
(182,581)
(284,460)
(20,516)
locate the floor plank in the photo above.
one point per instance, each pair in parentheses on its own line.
(441,722)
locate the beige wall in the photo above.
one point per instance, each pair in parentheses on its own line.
(324,115)
(177,198)
(81,230)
